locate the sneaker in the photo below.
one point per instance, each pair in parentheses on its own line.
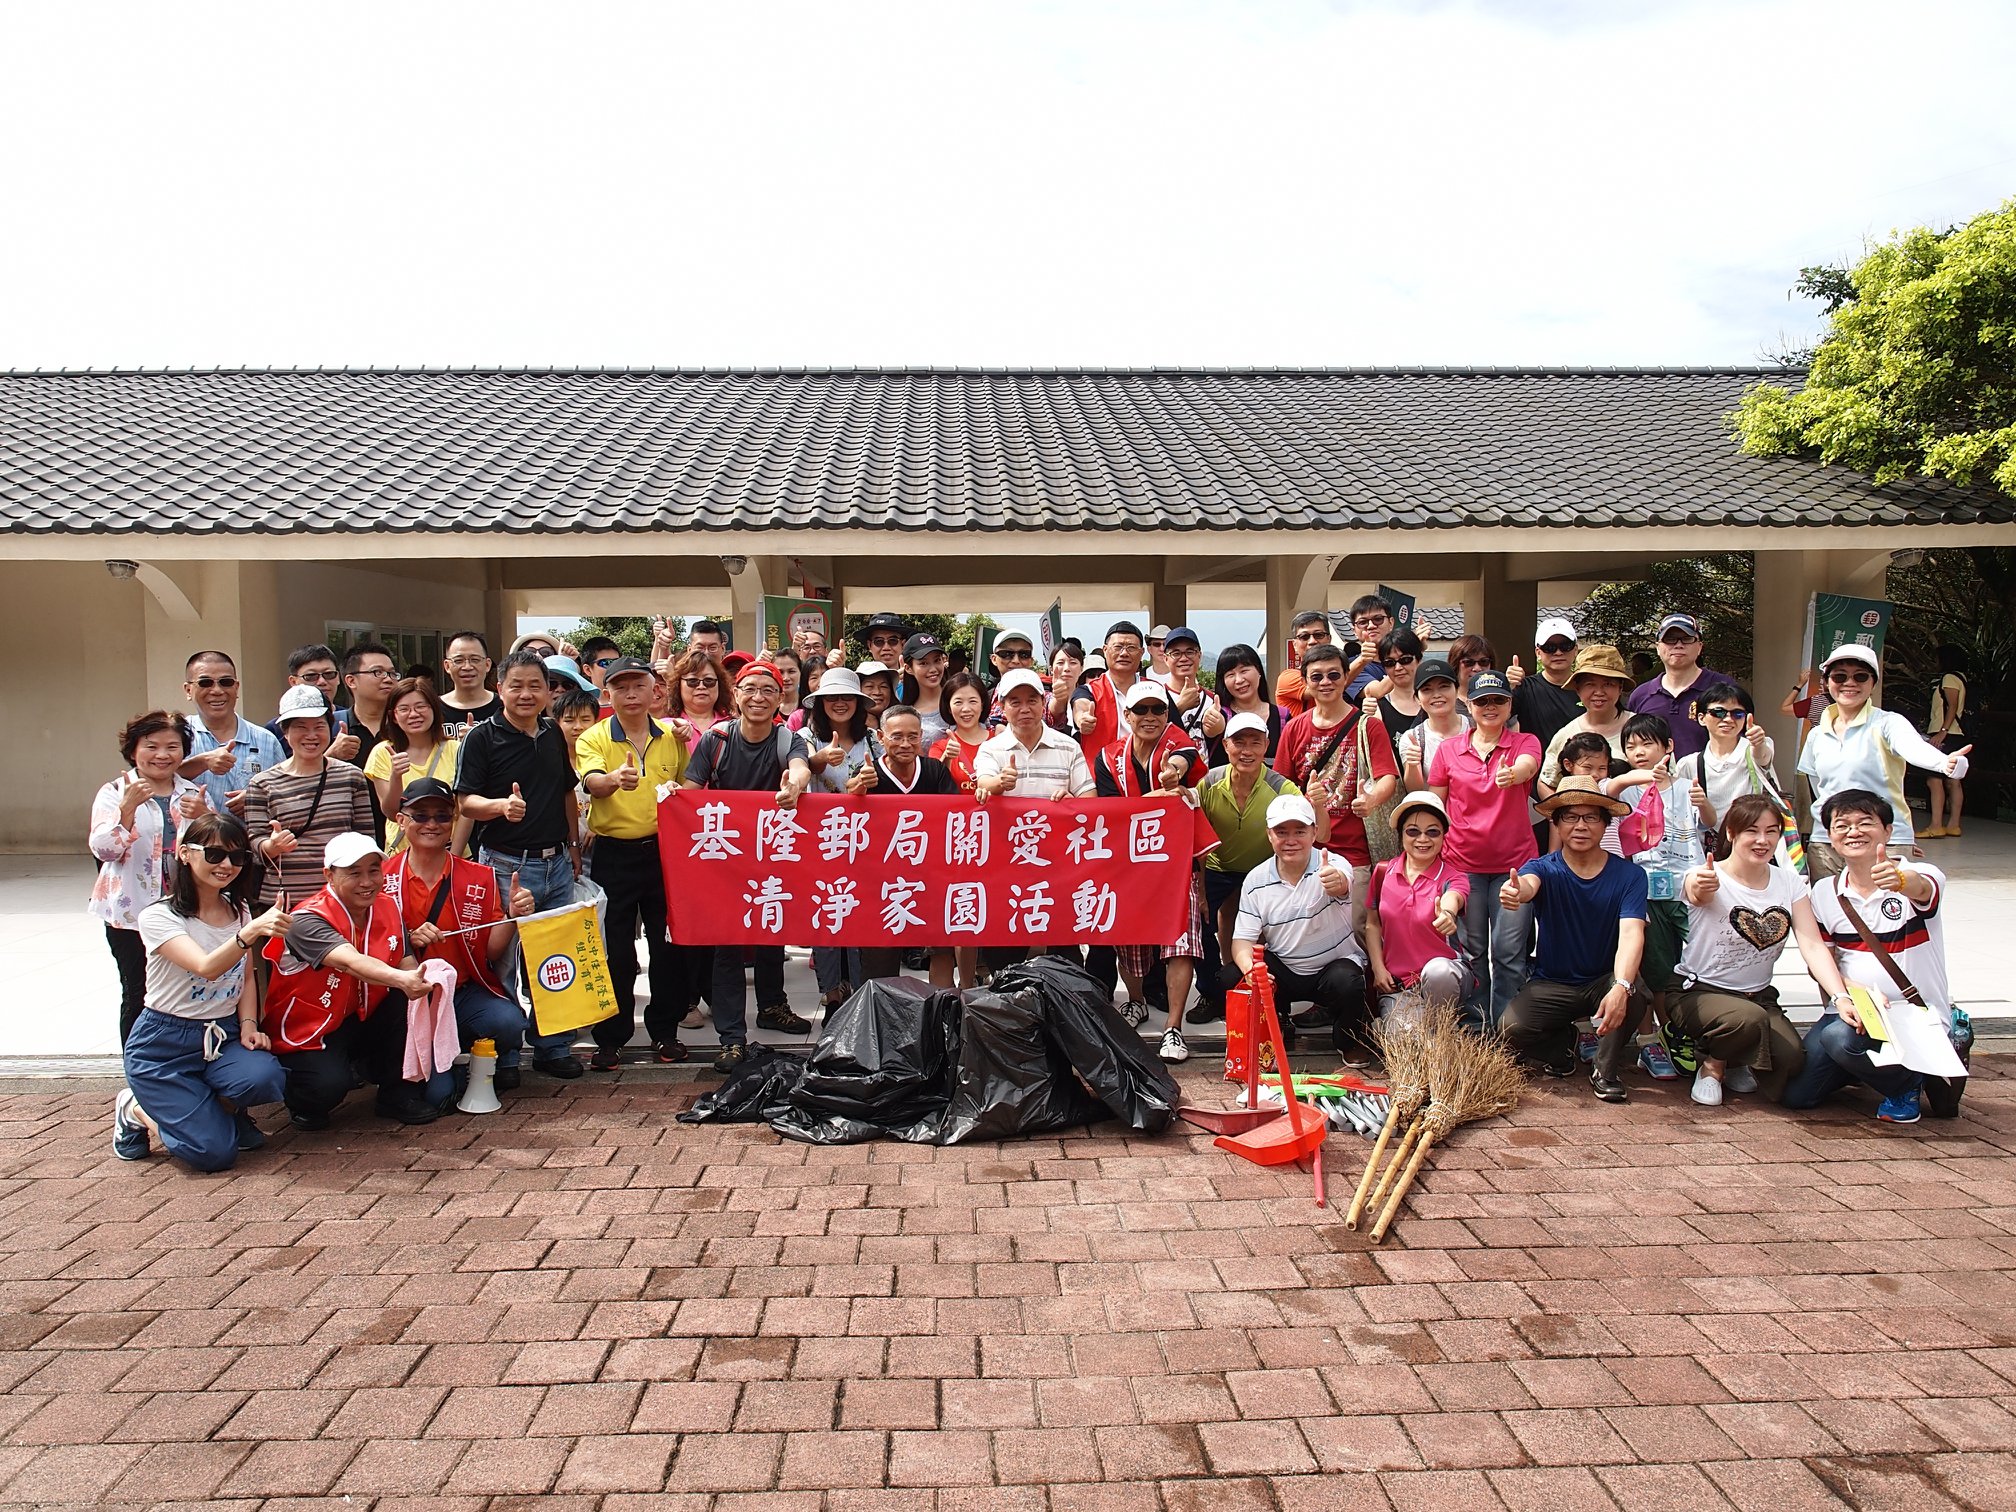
(408,1110)
(1740,1079)
(1899,1110)
(778,1016)
(1315,1018)
(1608,1088)
(1657,1063)
(1585,1046)
(695,1017)
(309,1123)
(669,1053)
(129,1135)
(508,1079)
(559,1067)
(605,1060)
(250,1135)
(1173,1049)
(1556,1069)
(1136,1014)
(1707,1090)
(730,1058)
(1208,1011)
(1680,1049)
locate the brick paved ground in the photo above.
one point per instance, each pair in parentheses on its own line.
(580,1303)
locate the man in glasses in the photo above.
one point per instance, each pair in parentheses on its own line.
(1590,909)
(1095,708)
(225,749)
(884,637)
(1309,627)
(313,666)
(1545,705)
(1670,695)
(468,699)
(368,675)
(1012,650)
(598,654)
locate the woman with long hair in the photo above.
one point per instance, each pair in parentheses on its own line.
(416,745)
(1240,681)
(196,1058)
(791,668)
(134,822)
(922,686)
(697,698)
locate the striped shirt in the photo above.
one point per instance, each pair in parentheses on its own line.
(277,793)
(1054,769)
(1302,926)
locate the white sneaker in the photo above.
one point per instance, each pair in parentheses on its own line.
(1707,1090)
(1173,1048)
(1136,1014)
(1739,1079)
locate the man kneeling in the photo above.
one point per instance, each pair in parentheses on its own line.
(337,1008)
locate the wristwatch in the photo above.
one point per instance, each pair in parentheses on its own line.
(1630,987)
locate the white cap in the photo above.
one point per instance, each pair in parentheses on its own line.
(347,849)
(1144,689)
(1854,651)
(1021,677)
(867,669)
(1290,808)
(1239,723)
(1550,628)
(302,701)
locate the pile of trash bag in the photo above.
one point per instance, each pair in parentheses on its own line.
(1039,1050)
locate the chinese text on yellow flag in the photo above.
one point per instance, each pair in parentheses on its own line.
(570,977)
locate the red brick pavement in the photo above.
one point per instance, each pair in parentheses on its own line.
(578,1303)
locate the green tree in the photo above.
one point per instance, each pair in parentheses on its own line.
(1916,374)
(631,632)
(954,631)
(1719,590)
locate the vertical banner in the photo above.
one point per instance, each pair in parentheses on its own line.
(568,973)
(983,653)
(1051,631)
(1834,620)
(782,615)
(1403,607)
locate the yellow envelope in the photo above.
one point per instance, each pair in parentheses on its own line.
(1870,1012)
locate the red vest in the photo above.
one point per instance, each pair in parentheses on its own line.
(1120,767)
(472,901)
(305,1004)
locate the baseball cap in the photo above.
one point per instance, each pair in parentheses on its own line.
(628,666)
(735,661)
(1012,635)
(1685,622)
(1290,808)
(425,787)
(347,849)
(1179,634)
(1487,685)
(1239,723)
(867,669)
(922,644)
(894,622)
(1856,652)
(1435,669)
(1550,629)
(754,668)
(1021,677)
(302,701)
(566,668)
(1145,690)
(1095,661)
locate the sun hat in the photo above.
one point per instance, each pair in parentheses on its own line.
(1420,798)
(1600,661)
(1583,792)
(837,683)
(565,667)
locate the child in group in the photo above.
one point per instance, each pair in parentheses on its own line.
(1662,835)
(1588,755)
(1738,756)
(574,711)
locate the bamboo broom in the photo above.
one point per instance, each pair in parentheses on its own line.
(1469,1078)
(1403,1041)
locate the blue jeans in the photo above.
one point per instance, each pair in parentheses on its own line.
(1497,947)
(551,883)
(179,1089)
(1837,1057)
(481,1014)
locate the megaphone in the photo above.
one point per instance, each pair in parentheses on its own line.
(480,1096)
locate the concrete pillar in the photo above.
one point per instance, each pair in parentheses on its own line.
(1293,582)
(1785,584)
(1502,610)
(500,610)
(191,607)
(749,579)
(1170,603)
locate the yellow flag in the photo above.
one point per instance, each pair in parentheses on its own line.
(567,969)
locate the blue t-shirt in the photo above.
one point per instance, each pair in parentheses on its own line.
(1578,919)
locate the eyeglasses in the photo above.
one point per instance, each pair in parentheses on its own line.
(1151,708)
(1579,821)
(1716,711)
(1323,677)
(376,672)
(327,674)
(1558,647)
(1859,825)
(1311,636)
(1475,661)
(1400,661)
(221,855)
(1858,675)
(1370,624)
(460,661)
(226,683)
(699,682)
(430,817)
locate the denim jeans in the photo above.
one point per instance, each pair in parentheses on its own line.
(481,1014)
(551,883)
(731,998)
(1497,947)
(1837,1057)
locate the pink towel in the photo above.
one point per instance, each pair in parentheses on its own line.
(432,1038)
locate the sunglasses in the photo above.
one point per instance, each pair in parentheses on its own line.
(1016,655)
(699,682)
(1400,661)
(1857,676)
(430,816)
(1323,677)
(1716,711)
(227,683)
(1412,832)
(326,675)
(1151,708)
(1558,648)
(1475,661)
(221,855)
(1309,636)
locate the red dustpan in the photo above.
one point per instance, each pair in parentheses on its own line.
(1297,1132)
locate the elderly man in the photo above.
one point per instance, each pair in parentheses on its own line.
(1591,916)
(1028,758)
(1297,904)
(1670,695)
(226,750)
(336,1009)
(1309,627)
(884,636)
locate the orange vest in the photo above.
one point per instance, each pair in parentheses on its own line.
(305,1004)
(472,901)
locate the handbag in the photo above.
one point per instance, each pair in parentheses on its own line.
(1942,1093)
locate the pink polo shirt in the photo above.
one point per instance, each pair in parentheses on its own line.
(1408,941)
(1489,830)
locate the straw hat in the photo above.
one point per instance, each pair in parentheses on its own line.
(1582,792)
(1600,661)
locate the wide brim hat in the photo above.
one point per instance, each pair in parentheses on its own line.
(1582,792)
(836,682)
(1601,661)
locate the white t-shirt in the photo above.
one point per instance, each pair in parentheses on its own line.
(183,994)
(1302,926)
(1914,937)
(1725,778)
(1736,937)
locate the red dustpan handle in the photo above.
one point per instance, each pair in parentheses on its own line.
(1263,995)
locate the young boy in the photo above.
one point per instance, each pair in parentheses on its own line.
(1663,837)
(576,712)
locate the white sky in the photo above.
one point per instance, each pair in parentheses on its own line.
(1566,181)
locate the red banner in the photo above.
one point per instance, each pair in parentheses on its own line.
(924,871)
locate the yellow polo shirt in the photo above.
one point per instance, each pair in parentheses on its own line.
(629,814)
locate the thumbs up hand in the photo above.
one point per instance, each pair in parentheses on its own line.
(280,841)
(401,765)
(193,803)
(220,760)
(1956,764)
(1173,772)
(1510,895)
(522,902)
(271,923)
(1085,714)
(514,806)
(864,780)
(1010,775)
(1212,720)
(1336,883)
(626,775)
(1515,674)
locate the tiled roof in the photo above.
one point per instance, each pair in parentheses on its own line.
(877,450)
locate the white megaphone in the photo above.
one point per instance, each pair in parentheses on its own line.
(481,1094)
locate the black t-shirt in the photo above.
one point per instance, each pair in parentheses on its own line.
(934,780)
(495,754)
(458,722)
(725,760)
(1398,724)
(1544,710)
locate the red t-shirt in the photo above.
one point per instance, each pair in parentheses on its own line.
(1489,827)
(1301,742)
(958,758)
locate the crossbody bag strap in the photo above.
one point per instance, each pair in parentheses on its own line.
(1883,957)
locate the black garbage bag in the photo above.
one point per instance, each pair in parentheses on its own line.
(1012,1078)
(757,1091)
(883,1067)
(1082,1023)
